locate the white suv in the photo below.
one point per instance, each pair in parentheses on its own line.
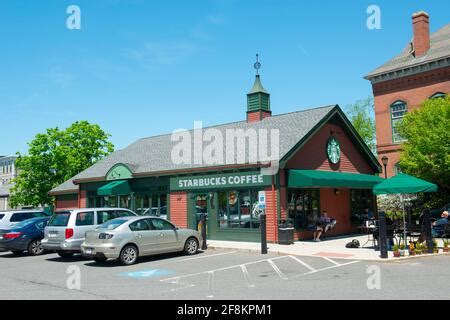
(66,230)
(10,218)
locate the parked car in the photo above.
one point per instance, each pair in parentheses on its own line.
(12,217)
(153,211)
(24,236)
(65,231)
(128,238)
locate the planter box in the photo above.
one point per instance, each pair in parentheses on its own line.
(397,254)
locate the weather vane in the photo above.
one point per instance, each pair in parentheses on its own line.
(257,65)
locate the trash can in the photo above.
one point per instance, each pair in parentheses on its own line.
(286,232)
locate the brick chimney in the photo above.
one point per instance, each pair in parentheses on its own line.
(421,27)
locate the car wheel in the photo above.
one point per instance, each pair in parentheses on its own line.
(191,246)
(16,253)
(63,254)
(129,255)
(35,248)
(100,259)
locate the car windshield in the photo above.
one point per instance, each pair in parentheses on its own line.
(59,219)
(112,224)
(24,223)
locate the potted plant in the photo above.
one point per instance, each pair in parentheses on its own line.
(395,251)
(445,245)
(435,246)
(402,249)
(412,249)
(418,248)
(424,248)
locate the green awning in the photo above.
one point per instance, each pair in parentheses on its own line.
(404,184)
(321,179)
(114,188)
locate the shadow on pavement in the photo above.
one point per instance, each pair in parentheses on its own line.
(160,257)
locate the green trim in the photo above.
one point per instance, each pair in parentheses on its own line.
(330,179)
(119,171)
(249,179)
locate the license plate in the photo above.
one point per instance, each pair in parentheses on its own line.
(52,235)
(88,250)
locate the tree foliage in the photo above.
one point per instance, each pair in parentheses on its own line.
(54,157)
(426,151)
(362,115)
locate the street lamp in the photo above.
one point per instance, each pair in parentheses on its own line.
(385,160)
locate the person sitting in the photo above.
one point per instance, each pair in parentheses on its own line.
(438,227)
(324,223)
(370,214)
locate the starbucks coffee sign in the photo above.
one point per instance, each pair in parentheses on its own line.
(220,181)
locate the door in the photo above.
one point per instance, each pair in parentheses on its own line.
(199,207)
(167,235)
(146,238)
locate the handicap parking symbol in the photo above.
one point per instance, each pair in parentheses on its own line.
(145,274)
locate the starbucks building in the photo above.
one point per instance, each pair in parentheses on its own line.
(321,164)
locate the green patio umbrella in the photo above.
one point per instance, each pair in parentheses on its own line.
(404,184)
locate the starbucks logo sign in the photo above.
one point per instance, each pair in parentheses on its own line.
(333,150)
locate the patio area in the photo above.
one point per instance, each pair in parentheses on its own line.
(330,248)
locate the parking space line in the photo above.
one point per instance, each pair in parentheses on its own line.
(210,284)
(247,277)
(332,261)
(303,263)
(220,269)
(277,270)
(206,256)
(331,267)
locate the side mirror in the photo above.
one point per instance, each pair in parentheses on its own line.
(176,228)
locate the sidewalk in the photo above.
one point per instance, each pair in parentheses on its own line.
(329,248)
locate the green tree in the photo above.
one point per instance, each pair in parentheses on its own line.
(426,151)
(54,157)
(362,115)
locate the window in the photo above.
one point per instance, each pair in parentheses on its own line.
(398,111)
(18,217)
(360,200)
(41,225)
(112,224)
(303,207)
(106,215)
(159,224)
(237,209)
(1,216)
(438,95)
(140,225)
(59,219)
(85,219)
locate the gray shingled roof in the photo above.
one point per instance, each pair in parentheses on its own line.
(439,48)
(153,154)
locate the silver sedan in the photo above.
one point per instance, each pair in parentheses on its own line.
(128,238)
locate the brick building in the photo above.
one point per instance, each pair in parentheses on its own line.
(419,72)
(323,165)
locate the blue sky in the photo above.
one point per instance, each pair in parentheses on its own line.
(140,68)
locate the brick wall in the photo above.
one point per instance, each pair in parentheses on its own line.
(82,201)
(313,155)
(65,202)
(271,215)
(178,208)
(413,90)
(257,115)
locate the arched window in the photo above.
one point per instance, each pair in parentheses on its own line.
(438,95)
(398,111)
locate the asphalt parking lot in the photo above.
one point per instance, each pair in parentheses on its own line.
(221,274)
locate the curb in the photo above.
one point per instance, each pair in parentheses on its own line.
(389,260)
